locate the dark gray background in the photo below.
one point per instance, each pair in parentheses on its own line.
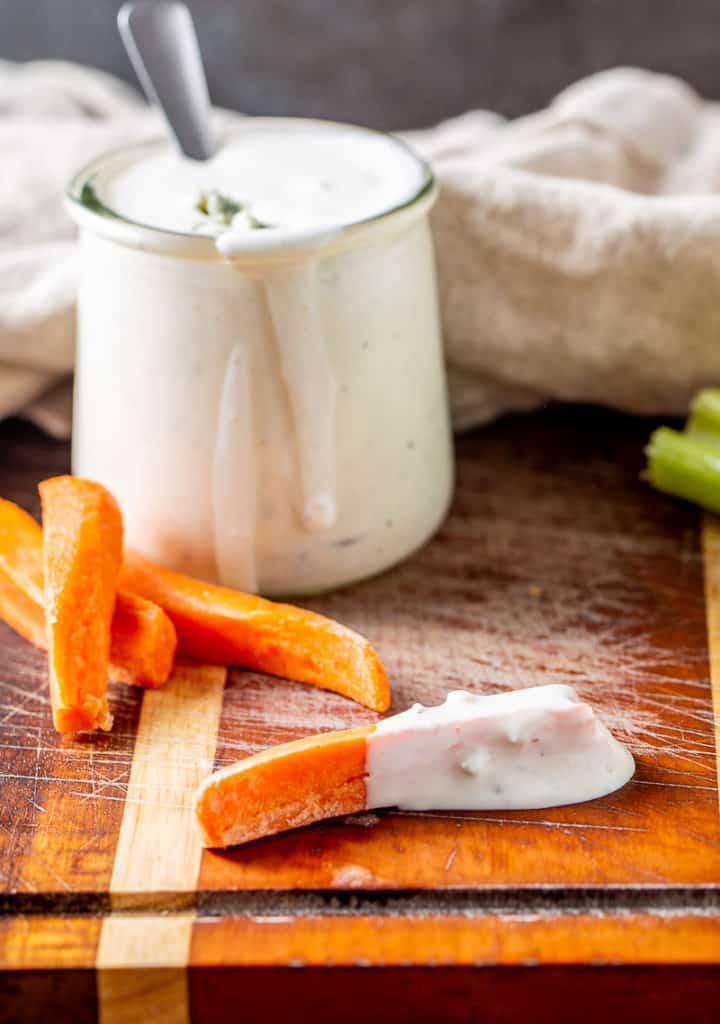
(393,63)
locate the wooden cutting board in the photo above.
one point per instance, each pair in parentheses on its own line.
(557,564)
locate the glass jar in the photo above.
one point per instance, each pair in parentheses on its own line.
(275,420)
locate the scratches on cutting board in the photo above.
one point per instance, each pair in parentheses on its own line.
(556,565)
(711,551)
(539,822)
(51,839)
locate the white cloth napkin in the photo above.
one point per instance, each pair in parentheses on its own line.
(578,248)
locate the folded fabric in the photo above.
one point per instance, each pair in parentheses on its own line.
(577,248)
(53,116)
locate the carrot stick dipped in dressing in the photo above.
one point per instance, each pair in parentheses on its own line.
(526,749)
(143,641)
(284,787)
(221,626)
(82,555)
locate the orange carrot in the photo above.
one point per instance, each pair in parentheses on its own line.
(284,787)
(142,643)
(21,550)
(221,626)
(82,555)
(143,638)
(22,613)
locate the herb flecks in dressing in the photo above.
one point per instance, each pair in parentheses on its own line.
(227,212)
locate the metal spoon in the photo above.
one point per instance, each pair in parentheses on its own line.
(162,45)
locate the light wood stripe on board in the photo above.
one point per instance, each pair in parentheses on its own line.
(159,851)
(711,562)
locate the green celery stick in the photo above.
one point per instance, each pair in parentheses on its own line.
(685,466)
(704,421)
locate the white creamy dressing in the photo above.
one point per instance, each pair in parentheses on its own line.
(292,299)
(532,748)
(306,183)
(234,499)
(296,176)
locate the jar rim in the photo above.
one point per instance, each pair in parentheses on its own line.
(87,209)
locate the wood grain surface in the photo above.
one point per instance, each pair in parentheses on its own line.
(557,564)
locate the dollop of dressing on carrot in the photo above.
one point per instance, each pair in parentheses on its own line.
(531,748)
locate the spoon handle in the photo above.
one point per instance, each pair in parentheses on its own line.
(162,45)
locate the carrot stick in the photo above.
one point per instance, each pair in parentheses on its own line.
(21,550)
(142,643)
(143,638)
(284,787)
(22,613)
(221,626)
(82,555)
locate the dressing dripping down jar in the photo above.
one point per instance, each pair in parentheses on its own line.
(269,409)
